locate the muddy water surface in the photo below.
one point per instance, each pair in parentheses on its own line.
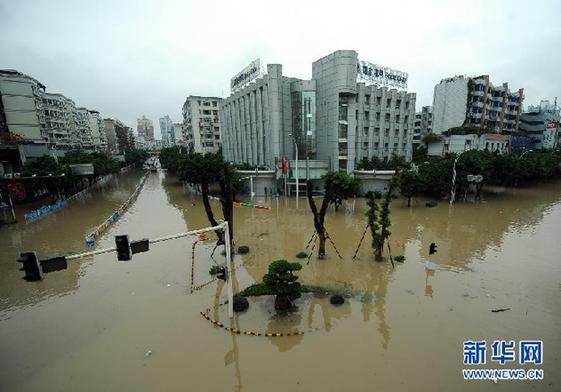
(108,325)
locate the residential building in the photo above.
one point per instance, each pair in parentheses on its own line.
(22,103)
(201,123)
(60,125)
(111,135)
(423,124)
(178,134)
(474,101)
(166,129)
(349,110)
(145,128)
(83,128)
(97,129)
(117,135)
(541,123)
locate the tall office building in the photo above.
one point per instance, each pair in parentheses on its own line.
(475,102)
(350,109)
(166,129)
(145,128)
(201,123)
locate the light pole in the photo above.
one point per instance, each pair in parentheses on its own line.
(296,169)
(453,190)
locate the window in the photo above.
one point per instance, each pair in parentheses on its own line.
(215,112)
(387,132)
(343,148)
(397,118)
(407,105)
(387,117)
(388,102)
(365,131)
(376,132)
(214,103)
(367,99)
(378,101)
(377,116)
(342,131)
(366,116)
(398,104)
(207,112)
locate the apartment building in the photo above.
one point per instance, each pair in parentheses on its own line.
(541,123)
(422,125)
(475,102)
(145,128)
(22,104)
(201,123)
(349,110)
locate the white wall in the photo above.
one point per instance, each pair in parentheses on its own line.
(449,104)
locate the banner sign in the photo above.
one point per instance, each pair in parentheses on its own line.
(246,75)
(371,73)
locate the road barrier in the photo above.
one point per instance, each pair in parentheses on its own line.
(90,238)
(45,210)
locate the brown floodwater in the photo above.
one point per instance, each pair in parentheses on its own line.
(104,325)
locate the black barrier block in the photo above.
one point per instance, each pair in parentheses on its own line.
(54,264)
(30,266)
(140,246)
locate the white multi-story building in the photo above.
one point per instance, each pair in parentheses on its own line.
(179,135)
(97,129)
(83,128)
(475,102)
(60,124)
(350,110)
(166,129)
(201,123)
(22,106)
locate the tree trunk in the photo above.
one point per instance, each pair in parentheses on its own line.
(321,249)
(319,217)
(378,251)
(408,201)
(209,213)
(282,302)
(228,208)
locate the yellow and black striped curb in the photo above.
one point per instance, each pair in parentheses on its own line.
(237,331)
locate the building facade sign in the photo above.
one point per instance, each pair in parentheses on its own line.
(246,75)
(370,73)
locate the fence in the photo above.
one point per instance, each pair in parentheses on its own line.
(90,238)
(45,210)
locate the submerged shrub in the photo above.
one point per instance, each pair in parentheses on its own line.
(243,249)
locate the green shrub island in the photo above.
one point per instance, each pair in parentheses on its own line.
(243,249)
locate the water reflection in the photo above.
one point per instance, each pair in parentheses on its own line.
(61,232)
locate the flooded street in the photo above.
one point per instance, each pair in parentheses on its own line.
(104,325)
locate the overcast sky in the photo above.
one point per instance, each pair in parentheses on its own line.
(129,58)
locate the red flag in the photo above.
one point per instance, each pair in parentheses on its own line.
(284,166)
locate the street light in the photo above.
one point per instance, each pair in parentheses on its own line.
(296,169)
(453,190)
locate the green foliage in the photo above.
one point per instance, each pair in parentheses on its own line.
(134,155)
(344,187)
(496,168)
(103,164)
(395,162)
(243,249)
(42,166)
(171,157)
(420,153)
(468,130)
(399,259)
(214,270)
(431,137)
(256,290)
(301,255)
(281,280)
(410,183)
(378,218)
